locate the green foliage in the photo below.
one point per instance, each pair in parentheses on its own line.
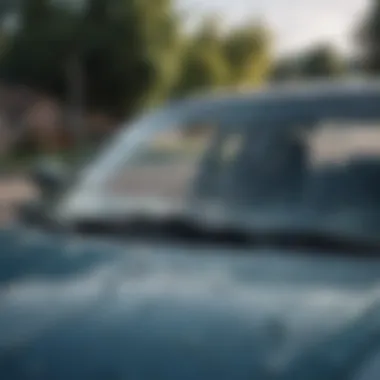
(321,61)
(35,54)
(368,38)
(201,69)
(240,57)
(129,53)
(117,71)
(317,62)
(163,39)
(127,49)
(203,63)
(247,50)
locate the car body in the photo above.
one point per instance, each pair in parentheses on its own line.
(90,304)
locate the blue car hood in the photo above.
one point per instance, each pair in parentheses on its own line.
(75,308)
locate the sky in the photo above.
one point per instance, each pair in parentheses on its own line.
(295,23)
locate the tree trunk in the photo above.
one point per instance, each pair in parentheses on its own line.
(75,100)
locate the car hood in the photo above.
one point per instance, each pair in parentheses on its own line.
(75,308)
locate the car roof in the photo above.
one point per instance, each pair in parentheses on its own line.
(358,98)
(300,89)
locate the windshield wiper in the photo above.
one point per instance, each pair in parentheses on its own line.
(177,228)
(318,241)
(188,230)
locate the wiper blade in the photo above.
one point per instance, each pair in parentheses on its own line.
(186,229)
(178,228)
(320,241)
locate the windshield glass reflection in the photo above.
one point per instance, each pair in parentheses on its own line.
(324,174)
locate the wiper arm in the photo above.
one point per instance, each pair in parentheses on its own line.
(318,241)
(185,229)
(178,228)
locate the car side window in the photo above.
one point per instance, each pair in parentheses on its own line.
(344,160)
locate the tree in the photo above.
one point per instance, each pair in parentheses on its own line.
(124,48)
(321,61)
(35,54)
(164,41)
(368,38)
(8,12)
(248,53)
(203,62)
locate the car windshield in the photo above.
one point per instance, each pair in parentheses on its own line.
(240,162)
